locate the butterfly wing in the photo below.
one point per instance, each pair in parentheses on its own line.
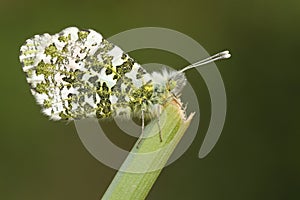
(77,74)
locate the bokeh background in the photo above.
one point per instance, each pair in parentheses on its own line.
(257,156)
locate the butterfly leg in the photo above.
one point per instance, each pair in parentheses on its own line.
(158,123)
(175,98)
(142,134)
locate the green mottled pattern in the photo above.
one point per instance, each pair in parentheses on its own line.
(77,74)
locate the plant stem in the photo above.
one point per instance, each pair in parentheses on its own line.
(143,165)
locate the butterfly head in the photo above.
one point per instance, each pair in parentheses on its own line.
(176,83)
(168,83)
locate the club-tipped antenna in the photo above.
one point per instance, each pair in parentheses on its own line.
(218,56)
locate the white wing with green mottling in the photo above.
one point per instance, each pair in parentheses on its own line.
(77,74)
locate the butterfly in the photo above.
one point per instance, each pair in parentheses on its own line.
(77,74)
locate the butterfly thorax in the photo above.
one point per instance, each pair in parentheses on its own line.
(162,88)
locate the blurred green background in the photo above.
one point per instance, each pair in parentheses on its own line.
(257,156)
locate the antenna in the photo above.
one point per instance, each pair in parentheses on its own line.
(218,56)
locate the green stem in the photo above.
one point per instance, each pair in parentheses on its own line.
(144,164)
